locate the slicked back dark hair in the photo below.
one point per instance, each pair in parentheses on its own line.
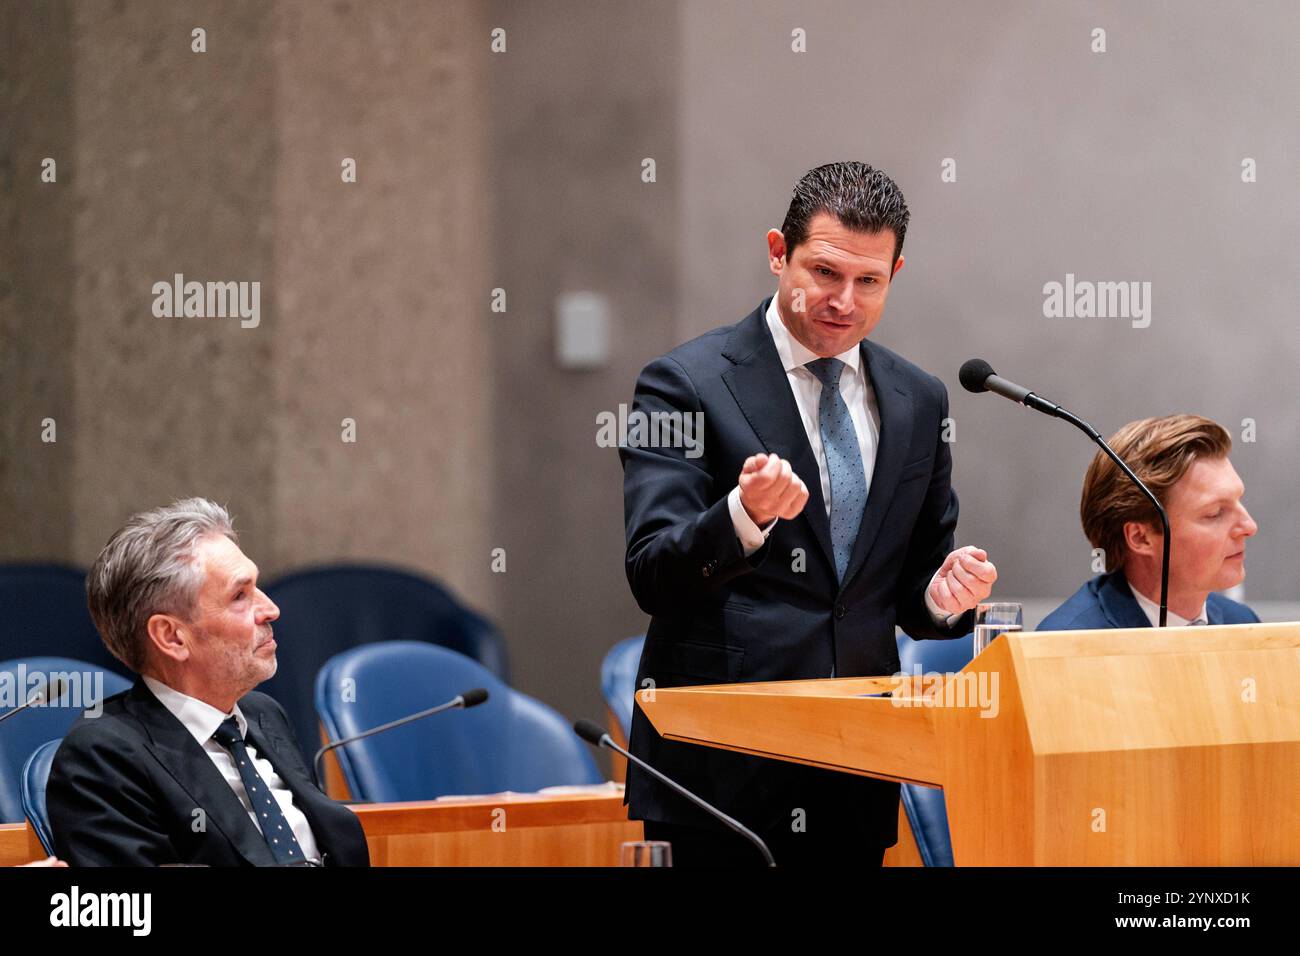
(861,197)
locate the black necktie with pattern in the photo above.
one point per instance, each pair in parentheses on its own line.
(275,828)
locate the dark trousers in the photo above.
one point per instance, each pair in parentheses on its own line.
(693,847)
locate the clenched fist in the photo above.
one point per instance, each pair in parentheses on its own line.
(769,489)
(963,580)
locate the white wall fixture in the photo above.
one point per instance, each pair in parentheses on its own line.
(582,322)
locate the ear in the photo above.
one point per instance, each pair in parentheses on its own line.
(775,251)
(1142,539)
(898,267)
(169,636)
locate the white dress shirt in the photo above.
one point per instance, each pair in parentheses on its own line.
(1152,611)
(201,719)
(858,395)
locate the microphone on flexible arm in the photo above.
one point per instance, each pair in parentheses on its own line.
(978,376)
(595,735)
(471,698)
(49,691)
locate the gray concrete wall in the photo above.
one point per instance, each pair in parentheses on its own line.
(36,298)
(1123,165)
(174,163)
(225,165)
(382,304)
(578,103)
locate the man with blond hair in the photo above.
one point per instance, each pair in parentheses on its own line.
(1183,459)
(190,765)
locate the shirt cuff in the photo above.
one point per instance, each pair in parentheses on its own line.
(751,536)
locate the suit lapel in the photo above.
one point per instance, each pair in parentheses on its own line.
(271,745)
(1118,603)
(759,385)
(279,753)
(1213,612)
(194,771)
(339,835)
(895,406)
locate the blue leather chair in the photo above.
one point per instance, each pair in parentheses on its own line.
(23,733)
(618,680)
(45,614)
(511,742)
(925,807)
(326,610)
(36,774)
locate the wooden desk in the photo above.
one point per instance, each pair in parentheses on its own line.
(18,844)
(515,830)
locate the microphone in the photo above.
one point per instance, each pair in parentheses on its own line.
(977,376)
(471,698)
(595,735)
(50,690)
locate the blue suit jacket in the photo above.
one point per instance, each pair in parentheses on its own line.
(1106,601)
(782,613)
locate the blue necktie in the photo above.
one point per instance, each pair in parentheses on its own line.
(843,460)
(275,829)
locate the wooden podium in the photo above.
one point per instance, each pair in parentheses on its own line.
(1177,747)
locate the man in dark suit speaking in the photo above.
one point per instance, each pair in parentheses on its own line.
(189,765)
(816,515)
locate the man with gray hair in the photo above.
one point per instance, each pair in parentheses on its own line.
(190,765)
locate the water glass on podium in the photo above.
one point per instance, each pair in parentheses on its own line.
(996,618)
(646,853)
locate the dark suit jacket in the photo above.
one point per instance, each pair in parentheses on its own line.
(781,613)
(124,786)
(1106,601)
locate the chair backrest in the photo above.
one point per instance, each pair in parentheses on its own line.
(943,657)
(511,742)
(618,680)
(330,609)
(927,813)
(35,775)
(45,614)
(86,687)
(925,807)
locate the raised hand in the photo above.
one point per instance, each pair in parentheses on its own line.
(963,580)
(769,489)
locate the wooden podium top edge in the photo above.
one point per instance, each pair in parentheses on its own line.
(828,687)
(1146,640)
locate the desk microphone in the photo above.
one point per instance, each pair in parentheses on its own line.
(50,690)
(978,376)
(471,698)
(595,735)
